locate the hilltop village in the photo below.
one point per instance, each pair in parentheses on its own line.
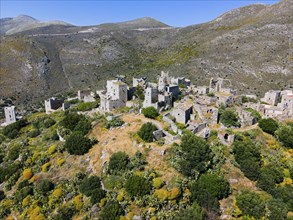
(182,105)
(153,150)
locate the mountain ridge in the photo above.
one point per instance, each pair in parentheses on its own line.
(252,47)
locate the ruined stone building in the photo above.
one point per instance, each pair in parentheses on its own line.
(221,85)
(182,112)
(115,95)
(53,104)
(162,95)
(86,96)
(142,82)
(271,97)
(201,90)
(10,116)
(245,117)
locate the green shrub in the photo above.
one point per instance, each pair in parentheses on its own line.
(191,212)
(285,136)
(251,204)
(138,161)
(11,131)
(45,186)
(270,175)
(44,122)
(278,210)
(6,171)
(112,211)
(65,213)
(89,184)
(247,155)
(76,122)
(193,156)
(34,133)
(137,186)
(77,144)
(146,131)
(268,125)
(13,152)
(87,106)
(150,112)
(118,162)
(229,118)
(209,189)
(22,193)
(116,122)
(97,195)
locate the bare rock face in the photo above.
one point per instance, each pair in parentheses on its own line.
(249,45)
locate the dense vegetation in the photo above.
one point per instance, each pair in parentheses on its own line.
(44,178)
(193,155)
(268,125)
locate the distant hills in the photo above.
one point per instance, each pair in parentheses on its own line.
(23,23)
(249,45)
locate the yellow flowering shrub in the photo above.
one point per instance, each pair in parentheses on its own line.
(157,182)
(60,161)
(27,173)
(46,167)
(102,203)
(57,192)
(52,149)
(26,201)
(78,202)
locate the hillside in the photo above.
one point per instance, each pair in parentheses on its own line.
(43,177)
(249,45)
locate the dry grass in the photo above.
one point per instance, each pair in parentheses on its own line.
(121,139)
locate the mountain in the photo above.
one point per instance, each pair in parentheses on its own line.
(22,23)
(249,45)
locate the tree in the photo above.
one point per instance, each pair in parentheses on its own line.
(195,155)
(112,211)
(77,144)
(191,212)
(11,131)
(208,189)
(65,213)
(229,118)
(89,184)
(76,122)
(270,175)
(285,135)
(118,162)
(150,112)
(247,155)
(268,125)
(278,210)
(97,195)
(251,204)
(146,131)
(45,186)
(137,186)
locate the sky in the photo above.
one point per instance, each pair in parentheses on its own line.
(174,13)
